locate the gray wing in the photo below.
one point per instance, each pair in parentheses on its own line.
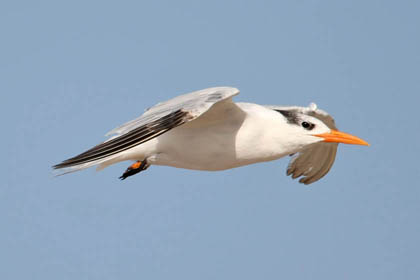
(315,161)
(194,103)
(154,122)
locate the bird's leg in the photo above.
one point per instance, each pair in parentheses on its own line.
(135,168)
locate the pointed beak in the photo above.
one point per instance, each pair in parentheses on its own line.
(341,137)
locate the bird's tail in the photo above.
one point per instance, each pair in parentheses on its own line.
(64,168)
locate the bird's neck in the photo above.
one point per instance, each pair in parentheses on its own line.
(264,135)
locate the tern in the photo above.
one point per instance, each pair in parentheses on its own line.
(206,130)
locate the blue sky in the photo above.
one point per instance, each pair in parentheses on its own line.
(72,71)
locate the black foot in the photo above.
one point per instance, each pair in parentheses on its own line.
(135,168)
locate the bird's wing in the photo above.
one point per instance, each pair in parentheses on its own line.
(194,103)
(316,160)
(155,121)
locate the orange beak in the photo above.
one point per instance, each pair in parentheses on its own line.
(341,137)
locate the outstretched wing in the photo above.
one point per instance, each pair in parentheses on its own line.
(316,160)
(154,122)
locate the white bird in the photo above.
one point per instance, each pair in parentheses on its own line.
(206,130)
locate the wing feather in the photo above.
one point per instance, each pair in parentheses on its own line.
(154,122)
(195,103)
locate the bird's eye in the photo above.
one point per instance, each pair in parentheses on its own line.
(307,125)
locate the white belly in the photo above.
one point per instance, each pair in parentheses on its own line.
(208,148)
(206,144)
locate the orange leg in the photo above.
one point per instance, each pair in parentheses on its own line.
(135,168)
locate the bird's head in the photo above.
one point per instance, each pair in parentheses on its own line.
(305,129)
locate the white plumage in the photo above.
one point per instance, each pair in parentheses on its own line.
(206,130)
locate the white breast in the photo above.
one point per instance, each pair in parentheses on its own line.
(222,138)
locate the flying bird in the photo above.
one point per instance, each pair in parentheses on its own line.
(206,130)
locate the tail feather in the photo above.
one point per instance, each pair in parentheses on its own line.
(102,163)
